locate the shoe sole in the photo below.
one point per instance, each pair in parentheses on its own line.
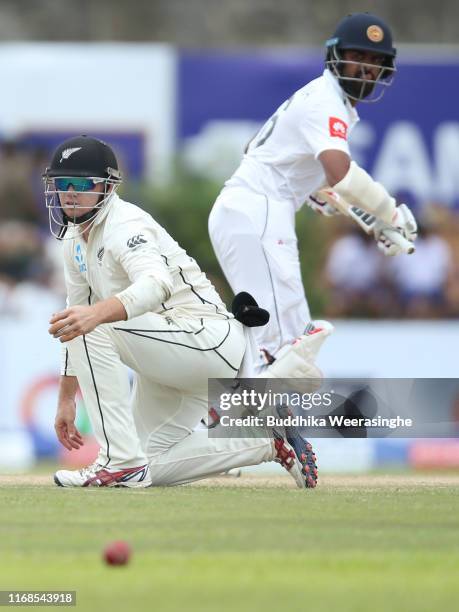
(140,485)
(305,476)
(115,485)
(304,468)
(308,463)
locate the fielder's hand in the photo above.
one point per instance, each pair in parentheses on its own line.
(319,205)
(73,322)
(67,434)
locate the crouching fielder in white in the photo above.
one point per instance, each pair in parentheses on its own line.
(136,299)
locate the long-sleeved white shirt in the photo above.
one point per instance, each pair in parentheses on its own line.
(126,249)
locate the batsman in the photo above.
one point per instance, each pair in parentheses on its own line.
(301,155)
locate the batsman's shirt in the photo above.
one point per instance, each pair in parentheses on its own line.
(281,160)
(125,243)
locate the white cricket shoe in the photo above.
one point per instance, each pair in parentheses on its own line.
(97,475)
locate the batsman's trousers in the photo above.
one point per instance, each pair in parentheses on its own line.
(255,243)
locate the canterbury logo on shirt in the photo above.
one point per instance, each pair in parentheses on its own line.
(136,240)
(337,127)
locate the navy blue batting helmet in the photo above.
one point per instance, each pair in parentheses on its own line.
(361,32)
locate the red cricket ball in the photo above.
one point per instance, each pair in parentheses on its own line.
(117,553)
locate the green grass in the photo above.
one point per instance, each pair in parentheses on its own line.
(211,548)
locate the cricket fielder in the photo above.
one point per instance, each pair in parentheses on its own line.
(302,148)
(137,300)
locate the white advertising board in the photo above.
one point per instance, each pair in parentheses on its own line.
(92,87)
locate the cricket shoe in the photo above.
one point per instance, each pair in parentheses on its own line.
(295,454)
(96,475)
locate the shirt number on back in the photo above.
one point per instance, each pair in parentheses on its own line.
(262,136)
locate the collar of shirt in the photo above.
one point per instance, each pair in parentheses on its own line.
(330,78)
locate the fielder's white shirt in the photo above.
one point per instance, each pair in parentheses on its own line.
(124,244)
(281,160)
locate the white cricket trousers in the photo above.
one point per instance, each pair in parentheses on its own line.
(255,243)
(172,358)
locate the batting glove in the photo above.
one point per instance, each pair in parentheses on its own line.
(403,221)
(320,206)
(387,247)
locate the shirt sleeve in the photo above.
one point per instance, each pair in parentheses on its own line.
(137,251)
(325,127)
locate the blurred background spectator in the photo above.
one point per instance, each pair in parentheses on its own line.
(421,282)
(27,286)
(17,198)
(353,274)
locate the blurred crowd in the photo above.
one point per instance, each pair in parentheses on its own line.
(357,280)
(31,284)
(362,282)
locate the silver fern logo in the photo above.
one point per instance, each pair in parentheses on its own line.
(66,153)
